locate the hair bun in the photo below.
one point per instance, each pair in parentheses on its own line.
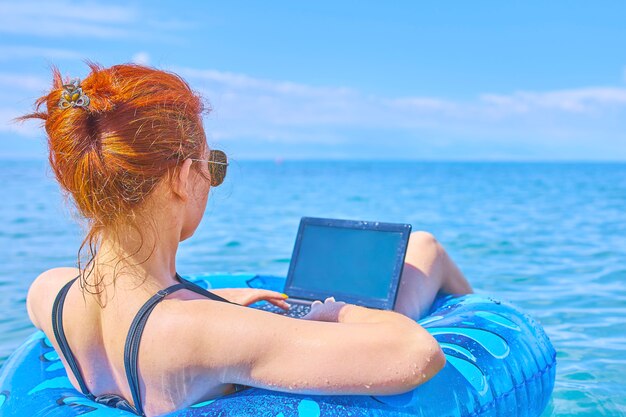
(138,123)
(100,88)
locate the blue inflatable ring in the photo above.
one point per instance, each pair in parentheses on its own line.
(499,363)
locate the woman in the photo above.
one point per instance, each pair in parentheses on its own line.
(127,144)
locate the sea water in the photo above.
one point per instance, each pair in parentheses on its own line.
(550,237)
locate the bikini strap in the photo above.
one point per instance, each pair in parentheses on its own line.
(192,286)
(59,334)
(131,348)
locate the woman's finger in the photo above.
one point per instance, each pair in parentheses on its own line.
(279,303)
(268,295)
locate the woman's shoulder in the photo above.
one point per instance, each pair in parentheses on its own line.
(43,291)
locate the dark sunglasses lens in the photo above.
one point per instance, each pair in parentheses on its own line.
(217,170)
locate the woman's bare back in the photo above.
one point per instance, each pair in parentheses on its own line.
(97,336)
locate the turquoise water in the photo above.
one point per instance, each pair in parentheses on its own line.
(549,237)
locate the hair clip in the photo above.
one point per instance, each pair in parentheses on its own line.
(73,96)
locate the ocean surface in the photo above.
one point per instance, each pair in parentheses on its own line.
(551,238)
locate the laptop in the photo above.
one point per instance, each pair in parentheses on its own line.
(359,262)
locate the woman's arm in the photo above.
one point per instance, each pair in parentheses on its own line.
(367,352)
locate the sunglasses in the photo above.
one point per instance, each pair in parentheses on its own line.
(217,164)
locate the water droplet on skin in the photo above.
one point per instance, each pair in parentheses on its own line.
(424,376)
(368,386)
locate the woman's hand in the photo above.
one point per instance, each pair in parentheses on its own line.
(247,296)
(326,311)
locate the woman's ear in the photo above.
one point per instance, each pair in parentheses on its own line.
(180,181)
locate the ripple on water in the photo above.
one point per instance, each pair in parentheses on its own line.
(282,260)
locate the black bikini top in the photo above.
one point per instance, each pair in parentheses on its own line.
(131,348)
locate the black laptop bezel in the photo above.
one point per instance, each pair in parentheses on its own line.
(384,304)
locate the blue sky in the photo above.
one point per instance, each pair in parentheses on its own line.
(348,79)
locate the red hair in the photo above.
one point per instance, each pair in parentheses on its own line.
(139,125)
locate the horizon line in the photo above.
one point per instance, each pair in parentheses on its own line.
(280,159)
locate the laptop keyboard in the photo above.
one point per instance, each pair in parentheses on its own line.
(296,310)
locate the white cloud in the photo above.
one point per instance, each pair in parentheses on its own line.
(582,100)
(18,93)
(422,104)
(82,19)
(142,58)
(14,52)
(241,97)
(244,82)
(68,11)
(9,125)
(529,121)
(21,82)
(66,19)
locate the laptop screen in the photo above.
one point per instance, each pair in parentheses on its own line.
(356,262)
